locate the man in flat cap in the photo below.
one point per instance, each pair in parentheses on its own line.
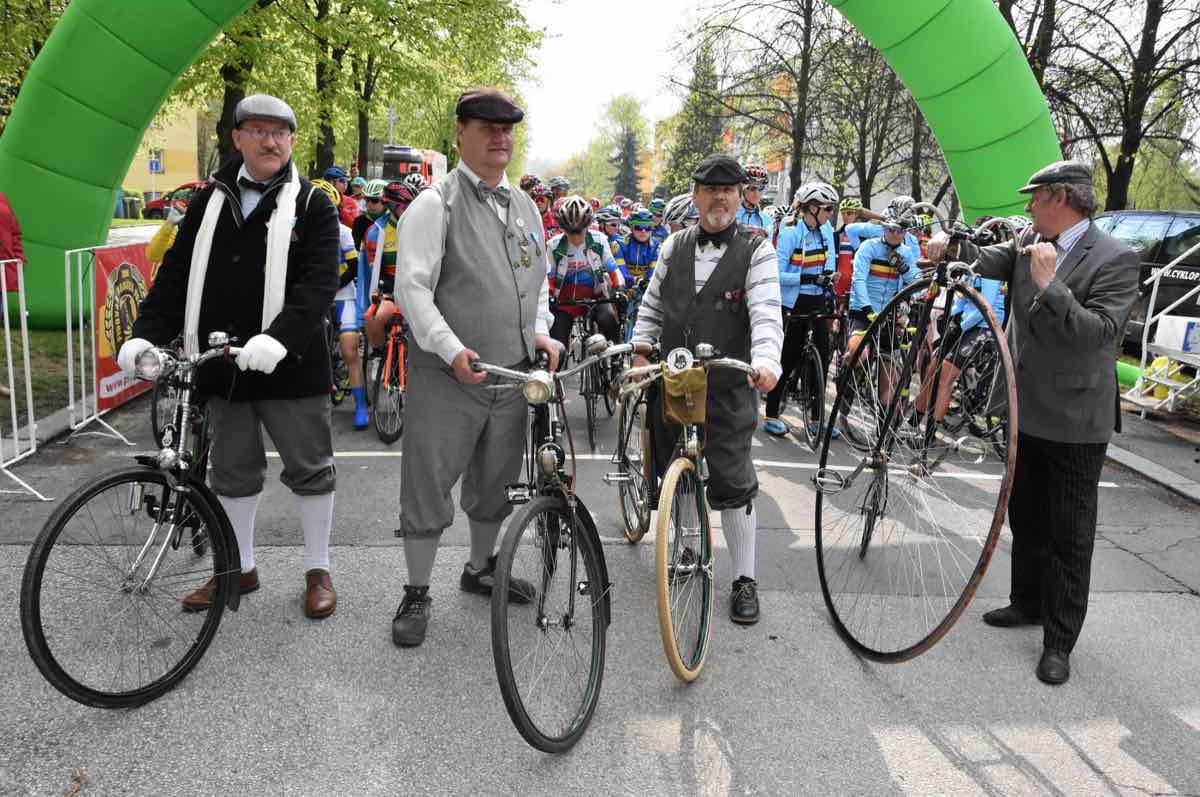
(718,283)
(256,257)
(1071,287)
(471,281)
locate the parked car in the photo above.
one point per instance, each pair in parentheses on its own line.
(1160,236)
(157,208)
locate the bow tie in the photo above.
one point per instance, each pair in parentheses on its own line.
(717,238)
(250,185)
(499,193)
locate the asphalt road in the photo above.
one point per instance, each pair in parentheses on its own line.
(284,705)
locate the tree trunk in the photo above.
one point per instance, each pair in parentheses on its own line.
(803,85)
(364,140)
(1039,54)
(914,164)
(1139,96)
(234,77)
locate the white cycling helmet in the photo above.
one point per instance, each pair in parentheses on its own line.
(679,209)
(816,192)
(901,204)
(574,214)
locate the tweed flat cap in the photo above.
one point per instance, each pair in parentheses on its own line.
(264,106)
(1059,172)
(490,105)
(719,169)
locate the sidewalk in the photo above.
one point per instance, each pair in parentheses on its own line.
(1164,451)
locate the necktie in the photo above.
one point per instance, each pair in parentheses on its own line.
(499,193)
(247,183)
(718,238)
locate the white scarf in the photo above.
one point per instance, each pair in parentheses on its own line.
(279,239)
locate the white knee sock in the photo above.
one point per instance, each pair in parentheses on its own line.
(419,555)
(483,542)
(740,527)
(316,518)
(240,512)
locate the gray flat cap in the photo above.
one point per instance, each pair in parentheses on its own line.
(264,106)
(1060,172)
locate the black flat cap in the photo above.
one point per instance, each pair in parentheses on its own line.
(264,106)
(490,105)
(1059,172)
(719,169)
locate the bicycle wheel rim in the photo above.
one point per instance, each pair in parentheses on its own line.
(896,579)
(73,602)
(684,584)
(387,403)
(633,489)
(549,669)
(589,401)
(811,385)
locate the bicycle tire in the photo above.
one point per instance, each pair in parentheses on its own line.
(387,404)
(635,493)
(528,544)
(590,400)
(812,384)
(670,558)
(897,513)
(37,608)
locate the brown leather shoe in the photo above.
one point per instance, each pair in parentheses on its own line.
(319,598)
(202,599)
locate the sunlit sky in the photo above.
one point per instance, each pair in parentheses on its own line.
(592,52)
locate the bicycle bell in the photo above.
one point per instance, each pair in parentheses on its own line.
(595,344)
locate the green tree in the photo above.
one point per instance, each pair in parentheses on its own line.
(626,162)
(698,125)
(24,26)
(591,172)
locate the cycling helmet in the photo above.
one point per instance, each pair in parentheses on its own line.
(893,220)
(900,204)
(1020,222)
(678,209)
(327,188)
(336,173)
(626,203)
(358,181)
(595,203)
(542,191)
(374,189)
(560,182)
(608,213)
(416,181)
(851,203)
(399,193)
(573,213)
(528,182)
(641,219)
(756,176)
(657,206)
(816,192)
(779,213)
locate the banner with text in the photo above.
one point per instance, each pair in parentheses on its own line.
(123,277)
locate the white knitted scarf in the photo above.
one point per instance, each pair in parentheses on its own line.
(279,239)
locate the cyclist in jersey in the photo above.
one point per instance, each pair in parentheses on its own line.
(559,186)
(541,199)
(639,250)
(807,262)
(379,256)
(656,208)
(357,186)
(580,265)
(898,208)
(851,211)
(529,182)
(345,309)
(339,178)
(750,213)
(626,205)
(608,219)
(373,194)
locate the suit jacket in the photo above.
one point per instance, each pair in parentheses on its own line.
(1064,343)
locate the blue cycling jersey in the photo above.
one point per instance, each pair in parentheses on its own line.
(637,260)
(753,217)
(860,231)
(880,272)
(804,254)
(994,293)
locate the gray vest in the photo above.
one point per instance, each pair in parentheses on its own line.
(491,275)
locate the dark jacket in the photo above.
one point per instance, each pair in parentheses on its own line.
(233,288)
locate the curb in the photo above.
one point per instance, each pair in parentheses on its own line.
(1180,485)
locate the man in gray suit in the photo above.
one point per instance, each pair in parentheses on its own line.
(1071,287)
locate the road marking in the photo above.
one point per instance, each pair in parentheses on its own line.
(1048,753)
(1101,740)
(918,766)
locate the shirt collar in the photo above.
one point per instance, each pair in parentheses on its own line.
(244,172)
(1070,236)
(475,178)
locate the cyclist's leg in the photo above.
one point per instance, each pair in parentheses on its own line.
(606,320)
(560,330)
(350,326)
(793,344)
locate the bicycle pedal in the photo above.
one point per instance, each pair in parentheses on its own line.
(616,478)
(518,494)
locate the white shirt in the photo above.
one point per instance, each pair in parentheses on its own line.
(762,299)
(1068,238)
(250,196)
(420,247)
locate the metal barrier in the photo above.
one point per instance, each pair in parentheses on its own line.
(23,442)
(78,265)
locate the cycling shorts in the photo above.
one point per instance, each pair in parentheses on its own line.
(886,333)
(346,313)
(962,347)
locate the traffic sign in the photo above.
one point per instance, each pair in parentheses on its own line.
(155,166)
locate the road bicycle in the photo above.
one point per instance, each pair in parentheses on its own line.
(101,590)
(550,604)
(685,565)
(595,381)
(388,385)
(637,483)
(807,386)
(905,530)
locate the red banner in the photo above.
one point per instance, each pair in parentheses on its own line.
(123,277)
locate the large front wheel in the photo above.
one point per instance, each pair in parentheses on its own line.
(684,570)
(101,594)
(548,647)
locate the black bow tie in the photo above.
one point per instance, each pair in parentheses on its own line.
(499,193)
(721,238)
(247,183)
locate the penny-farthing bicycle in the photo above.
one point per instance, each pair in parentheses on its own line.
(906,523)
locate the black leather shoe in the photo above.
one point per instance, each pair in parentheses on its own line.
(481,582)
(1055,667)
(412,617)
(743,602)
(1010,617)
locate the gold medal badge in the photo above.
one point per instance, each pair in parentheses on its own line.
(126,289)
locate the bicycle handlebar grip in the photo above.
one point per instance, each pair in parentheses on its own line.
(643,349)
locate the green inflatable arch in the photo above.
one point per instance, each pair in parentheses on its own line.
(109,66)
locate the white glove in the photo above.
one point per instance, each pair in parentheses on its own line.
(261,353)
(175,216)
(130,351)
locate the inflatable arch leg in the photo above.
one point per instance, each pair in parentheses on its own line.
(108,67)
